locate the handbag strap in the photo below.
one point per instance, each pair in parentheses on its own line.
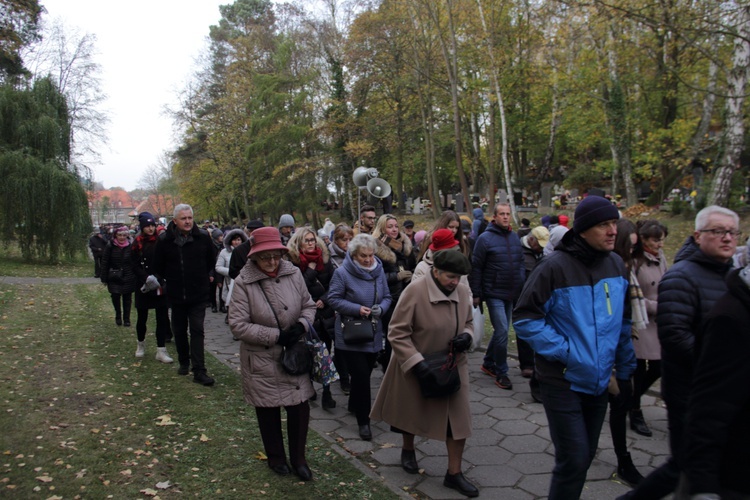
(260,285)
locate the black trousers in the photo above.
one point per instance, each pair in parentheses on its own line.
(162,324)
(359,365)
(189,351)
(646,373)
(122,311)
(297,423)
(618,410)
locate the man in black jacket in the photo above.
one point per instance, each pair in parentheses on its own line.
(184,259)
(97,244)
(687,292)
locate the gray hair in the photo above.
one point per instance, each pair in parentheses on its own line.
(701,220)
(182,207)
(361,241)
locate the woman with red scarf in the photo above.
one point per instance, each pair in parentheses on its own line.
(150,294)
(310,254)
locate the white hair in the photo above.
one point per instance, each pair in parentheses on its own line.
(182,207)
(361,241)
(701,219)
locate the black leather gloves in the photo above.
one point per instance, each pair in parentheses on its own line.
(291,335)
(462,342)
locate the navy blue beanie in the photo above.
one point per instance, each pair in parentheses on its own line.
(146,219)
(593,210)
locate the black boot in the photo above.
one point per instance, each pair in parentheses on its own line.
(459,483)
(328,402)
(627,471)
(409,461)
(638,423)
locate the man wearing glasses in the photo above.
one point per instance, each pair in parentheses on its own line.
(366,222)
(687,292)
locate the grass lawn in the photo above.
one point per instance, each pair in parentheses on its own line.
(12,264)
(83,419)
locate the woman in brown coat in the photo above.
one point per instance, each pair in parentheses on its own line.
(271,308)
(431,314)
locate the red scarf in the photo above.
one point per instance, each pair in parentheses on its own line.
(141,240)
(315,256)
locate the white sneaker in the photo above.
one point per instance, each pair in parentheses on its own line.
(141,351)
(161,355)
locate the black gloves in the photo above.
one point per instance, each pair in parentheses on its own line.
(462,342)
(291,335)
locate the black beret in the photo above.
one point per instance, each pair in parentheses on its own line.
(451,261)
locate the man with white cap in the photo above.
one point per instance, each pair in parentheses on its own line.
(574,311)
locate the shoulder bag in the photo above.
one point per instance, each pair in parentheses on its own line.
(359,330)
(296,359)
(445,379)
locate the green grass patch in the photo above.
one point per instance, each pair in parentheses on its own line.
(12,264)
(83,418)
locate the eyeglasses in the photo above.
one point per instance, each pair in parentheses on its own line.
(370,218)
(309,240)
(719,233)
(269,257)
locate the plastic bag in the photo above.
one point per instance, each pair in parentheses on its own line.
(478,328)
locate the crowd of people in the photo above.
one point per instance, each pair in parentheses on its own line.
(595,308)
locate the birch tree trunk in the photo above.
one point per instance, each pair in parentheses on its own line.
(503,122)
(734,128)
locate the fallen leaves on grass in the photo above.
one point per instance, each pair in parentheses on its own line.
(165,420)
(261,456)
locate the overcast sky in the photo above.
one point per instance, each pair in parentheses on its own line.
(147,51)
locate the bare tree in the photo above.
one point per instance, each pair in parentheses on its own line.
(68,57)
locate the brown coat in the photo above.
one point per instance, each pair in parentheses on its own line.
(649,271)
(424,321)
(264,382)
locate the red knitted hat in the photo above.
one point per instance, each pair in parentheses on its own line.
(443,239)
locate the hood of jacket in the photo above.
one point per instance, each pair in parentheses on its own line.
(232,234)
(478,213)
(688,248)
(251,273)
(293,253)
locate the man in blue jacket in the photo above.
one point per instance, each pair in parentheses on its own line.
(497,276)
(574,312)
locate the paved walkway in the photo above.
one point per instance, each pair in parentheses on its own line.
(509,455)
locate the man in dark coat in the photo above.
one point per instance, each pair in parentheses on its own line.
(497,276)
(687,292)
(184,258)
(718,422)
(97,244)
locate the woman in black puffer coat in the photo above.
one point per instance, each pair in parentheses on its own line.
(118,275)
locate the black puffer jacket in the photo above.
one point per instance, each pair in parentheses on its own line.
(118,258)
(687,292)
(497,265)
(718,428)
(185,267)
(142,251)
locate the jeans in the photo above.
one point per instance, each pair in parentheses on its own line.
(575,421)
(497,350)
(189,350)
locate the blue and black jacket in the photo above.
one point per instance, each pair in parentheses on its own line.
(574,311)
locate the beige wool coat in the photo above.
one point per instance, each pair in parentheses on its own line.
(649,271)
(424,321)
(264,382)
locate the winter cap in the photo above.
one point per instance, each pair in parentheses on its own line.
(322,233)
(254,224)
(564,220)
(451,262)
(541,234)
(465,226)
(419,236)
(265,239)
(545,220)
(216,233)
(593,210)
(286,220)
(146,219)
(443,239)
(122,229)
(408,223)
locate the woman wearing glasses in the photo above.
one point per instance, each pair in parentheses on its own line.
(359,289)
(271,309)
(310,255)
(649,266)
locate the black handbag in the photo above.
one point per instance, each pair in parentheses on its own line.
(445,379)
(115,275)
(358,330)
(296,359)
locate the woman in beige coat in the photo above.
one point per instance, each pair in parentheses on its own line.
(271,309)
(431,314)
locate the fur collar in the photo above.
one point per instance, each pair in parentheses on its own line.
(387,254)
(233,234)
